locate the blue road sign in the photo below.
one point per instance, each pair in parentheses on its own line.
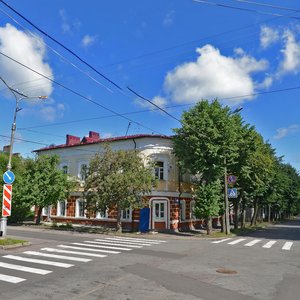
(232,193)
(9,177)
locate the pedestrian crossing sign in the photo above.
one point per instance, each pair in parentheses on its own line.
(232,193)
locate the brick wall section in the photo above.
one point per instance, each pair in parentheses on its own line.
(129,225)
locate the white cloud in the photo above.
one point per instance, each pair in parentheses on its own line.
(29,51)
(169,18)
(158,100)
(88,40)
(213,75)
(291,54)
(51,113)
(268,36)
(67,26)
(283,132)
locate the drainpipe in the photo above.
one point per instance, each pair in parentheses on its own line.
(179,196)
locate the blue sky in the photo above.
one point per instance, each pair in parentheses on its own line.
(173,52)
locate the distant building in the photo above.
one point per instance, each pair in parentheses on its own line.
(170,203)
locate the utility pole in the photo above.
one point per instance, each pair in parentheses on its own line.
(227,219)
(18,97)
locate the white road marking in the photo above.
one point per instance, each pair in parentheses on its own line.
(125,242)
(99,246)
(39,261)
(138,240)
(250,244)
(57,256)
(221,241)
(88,249)
(287,246)
(269,244)
(113,244)
(24,269)
(236,241)
(11,279)
(73,252)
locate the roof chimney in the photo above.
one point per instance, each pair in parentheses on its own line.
(94,135)
(72,140)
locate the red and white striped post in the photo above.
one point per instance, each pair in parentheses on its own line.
(6,206)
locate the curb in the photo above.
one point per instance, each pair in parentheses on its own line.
(15,246)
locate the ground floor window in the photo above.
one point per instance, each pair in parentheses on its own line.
(126,214)
(61,208)
(159,210)
(80,209)
(102,214)
(46,211)
(192,210)
(182,210)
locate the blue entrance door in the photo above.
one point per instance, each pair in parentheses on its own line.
(144,219)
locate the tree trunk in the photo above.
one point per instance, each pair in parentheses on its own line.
(254,217)
(38,217)
(119,223)
(209,225)
(243,219)
(223,223)
(237,212)
(269,213)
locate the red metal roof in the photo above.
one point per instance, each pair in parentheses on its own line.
(112,139)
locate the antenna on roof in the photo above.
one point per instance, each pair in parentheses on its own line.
(127,128)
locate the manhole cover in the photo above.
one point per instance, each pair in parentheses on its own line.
(226,271)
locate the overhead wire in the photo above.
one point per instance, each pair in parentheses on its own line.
(244,9)
(77,93)
(57,53)
(268,5)
(62,45)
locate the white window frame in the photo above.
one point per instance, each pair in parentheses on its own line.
(77,209)
(182,210)
(128,212)
(80,164)
(160,169)
(101,216)
(192,210)
(45,212)
(58,209)
(160,218)
(64,164)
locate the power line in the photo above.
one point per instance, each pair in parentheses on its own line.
(78,94)
(154,109)
(27,141)
(244,9)
(268,5)
(62,45)
(57,53)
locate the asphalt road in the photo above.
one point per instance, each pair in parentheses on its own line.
(262,265)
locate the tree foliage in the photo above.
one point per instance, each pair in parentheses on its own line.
(117,180)
(43,183)
(211,137)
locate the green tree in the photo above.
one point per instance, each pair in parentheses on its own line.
(117,180)
(20,209)
(44,183)
(207,201)
(207,143)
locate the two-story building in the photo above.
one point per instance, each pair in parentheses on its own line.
(170,203)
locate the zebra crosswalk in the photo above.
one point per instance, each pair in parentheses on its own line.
(284,245)
(67,255)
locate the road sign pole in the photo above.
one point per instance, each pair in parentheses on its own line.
(3,226)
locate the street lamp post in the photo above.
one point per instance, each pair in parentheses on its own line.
(22,96)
